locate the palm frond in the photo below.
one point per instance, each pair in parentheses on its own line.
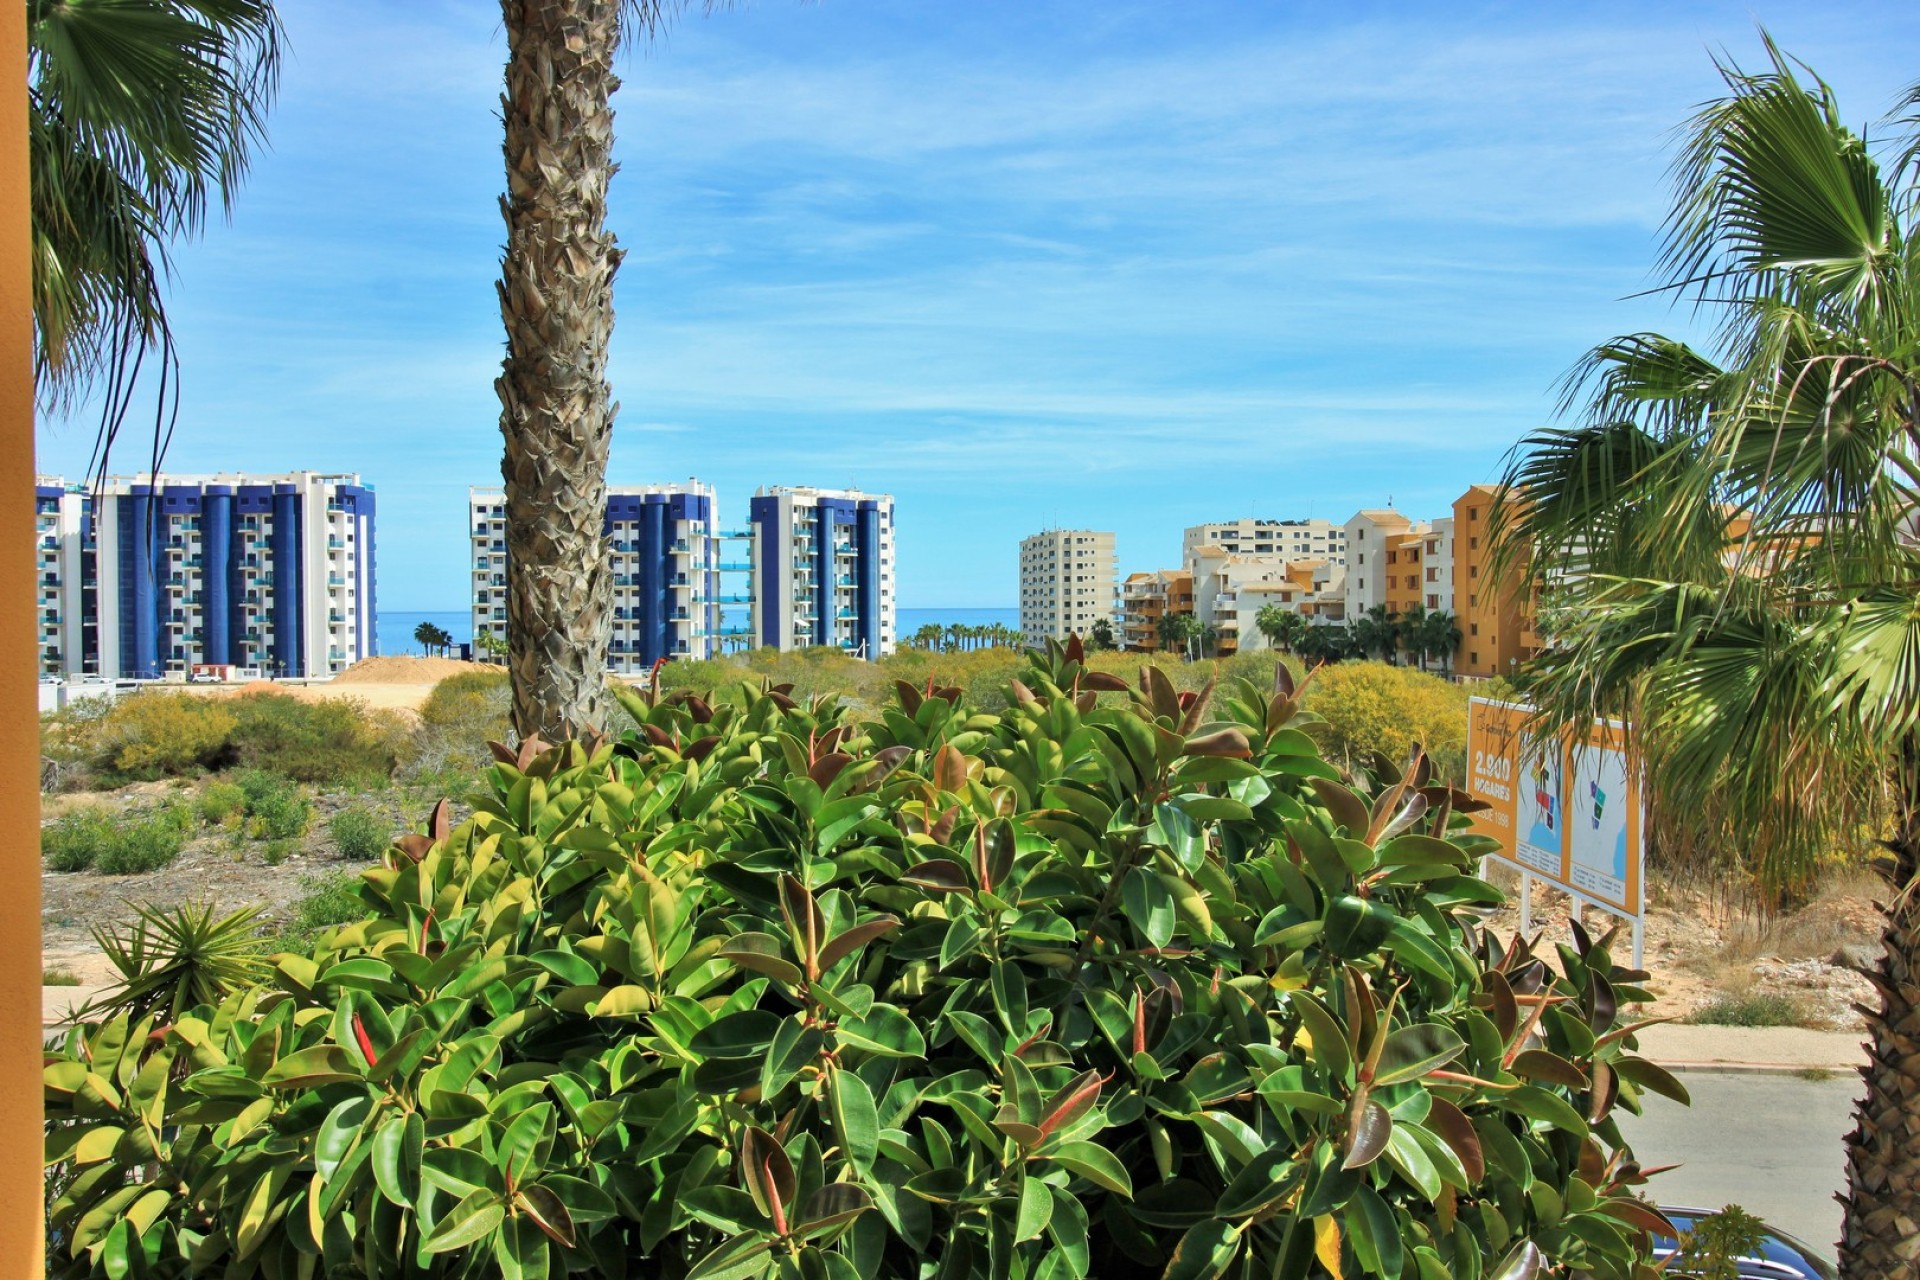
(1771,181)
(141,114)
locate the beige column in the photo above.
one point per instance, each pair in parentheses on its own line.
(21,1237)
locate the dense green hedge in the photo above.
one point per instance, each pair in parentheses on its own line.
(1064,990)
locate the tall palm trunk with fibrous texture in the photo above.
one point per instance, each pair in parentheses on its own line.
(556,297)
(1881,1235)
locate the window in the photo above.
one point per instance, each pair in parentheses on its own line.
(1473,629)
(1474,657)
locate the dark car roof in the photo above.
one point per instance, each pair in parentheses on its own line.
(1781,1256)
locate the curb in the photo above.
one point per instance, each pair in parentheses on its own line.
(1760,1068)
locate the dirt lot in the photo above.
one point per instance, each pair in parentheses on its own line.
(1698,951)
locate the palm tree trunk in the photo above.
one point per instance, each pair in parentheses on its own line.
(556,297)
(1880,1239)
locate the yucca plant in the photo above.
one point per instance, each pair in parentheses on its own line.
(1119,982)
(172,960)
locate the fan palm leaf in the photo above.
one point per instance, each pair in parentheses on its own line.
(141,114)
(1724,545)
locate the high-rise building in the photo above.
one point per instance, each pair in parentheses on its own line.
(823,569)
(1287,539)
(664,558)
(1495,617)
(1068,582)
(145,580)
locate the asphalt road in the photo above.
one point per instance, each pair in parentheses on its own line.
(1770,1144)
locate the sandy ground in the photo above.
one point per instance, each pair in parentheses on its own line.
(390,683)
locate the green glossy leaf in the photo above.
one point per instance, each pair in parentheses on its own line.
(307,1068)
(795,1045)
(1094,1163)
(1271,1176)
(855,1119)
(1034,1211)
(473,1219)
(885,1031)
(1411,1052)
(1204,1252)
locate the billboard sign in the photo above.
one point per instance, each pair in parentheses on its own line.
(1568,812)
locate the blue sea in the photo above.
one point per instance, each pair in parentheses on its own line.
(394,628)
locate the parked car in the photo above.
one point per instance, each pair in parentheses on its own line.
(1780,1256)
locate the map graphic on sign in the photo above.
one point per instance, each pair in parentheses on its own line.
(1541,825)
(1598,840)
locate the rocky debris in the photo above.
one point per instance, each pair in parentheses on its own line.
(1857,955)
(1826,992)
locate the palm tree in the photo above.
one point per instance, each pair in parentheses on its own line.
(1283,628)
(1100,635)
(556,299)
(488,643)
(139,113)
(1178,630)
(1440,638)
(1412,628)
(1376,632)
(1725,545)
(426,635)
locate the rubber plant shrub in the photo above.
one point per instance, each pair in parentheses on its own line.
(1119,982)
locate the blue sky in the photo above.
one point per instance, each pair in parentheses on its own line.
(1020,263)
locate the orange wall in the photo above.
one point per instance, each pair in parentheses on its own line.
(21,1241)
(1406,575)
(1495,630)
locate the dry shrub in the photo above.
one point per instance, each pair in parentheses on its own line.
(157,734)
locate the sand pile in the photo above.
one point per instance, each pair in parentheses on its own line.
(402,670)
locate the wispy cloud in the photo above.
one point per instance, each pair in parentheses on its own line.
(1018,262)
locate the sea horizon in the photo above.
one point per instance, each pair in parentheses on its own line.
(393,628)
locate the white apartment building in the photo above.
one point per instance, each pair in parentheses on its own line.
(1069,579)
(1367,535)
(146,579)
(1437,589)
(1229,592)
(664,557)
(1287,539)
(823,569)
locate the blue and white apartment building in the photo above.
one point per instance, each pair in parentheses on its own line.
(145,580)
(823,569)
(819,570)
(665,564)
